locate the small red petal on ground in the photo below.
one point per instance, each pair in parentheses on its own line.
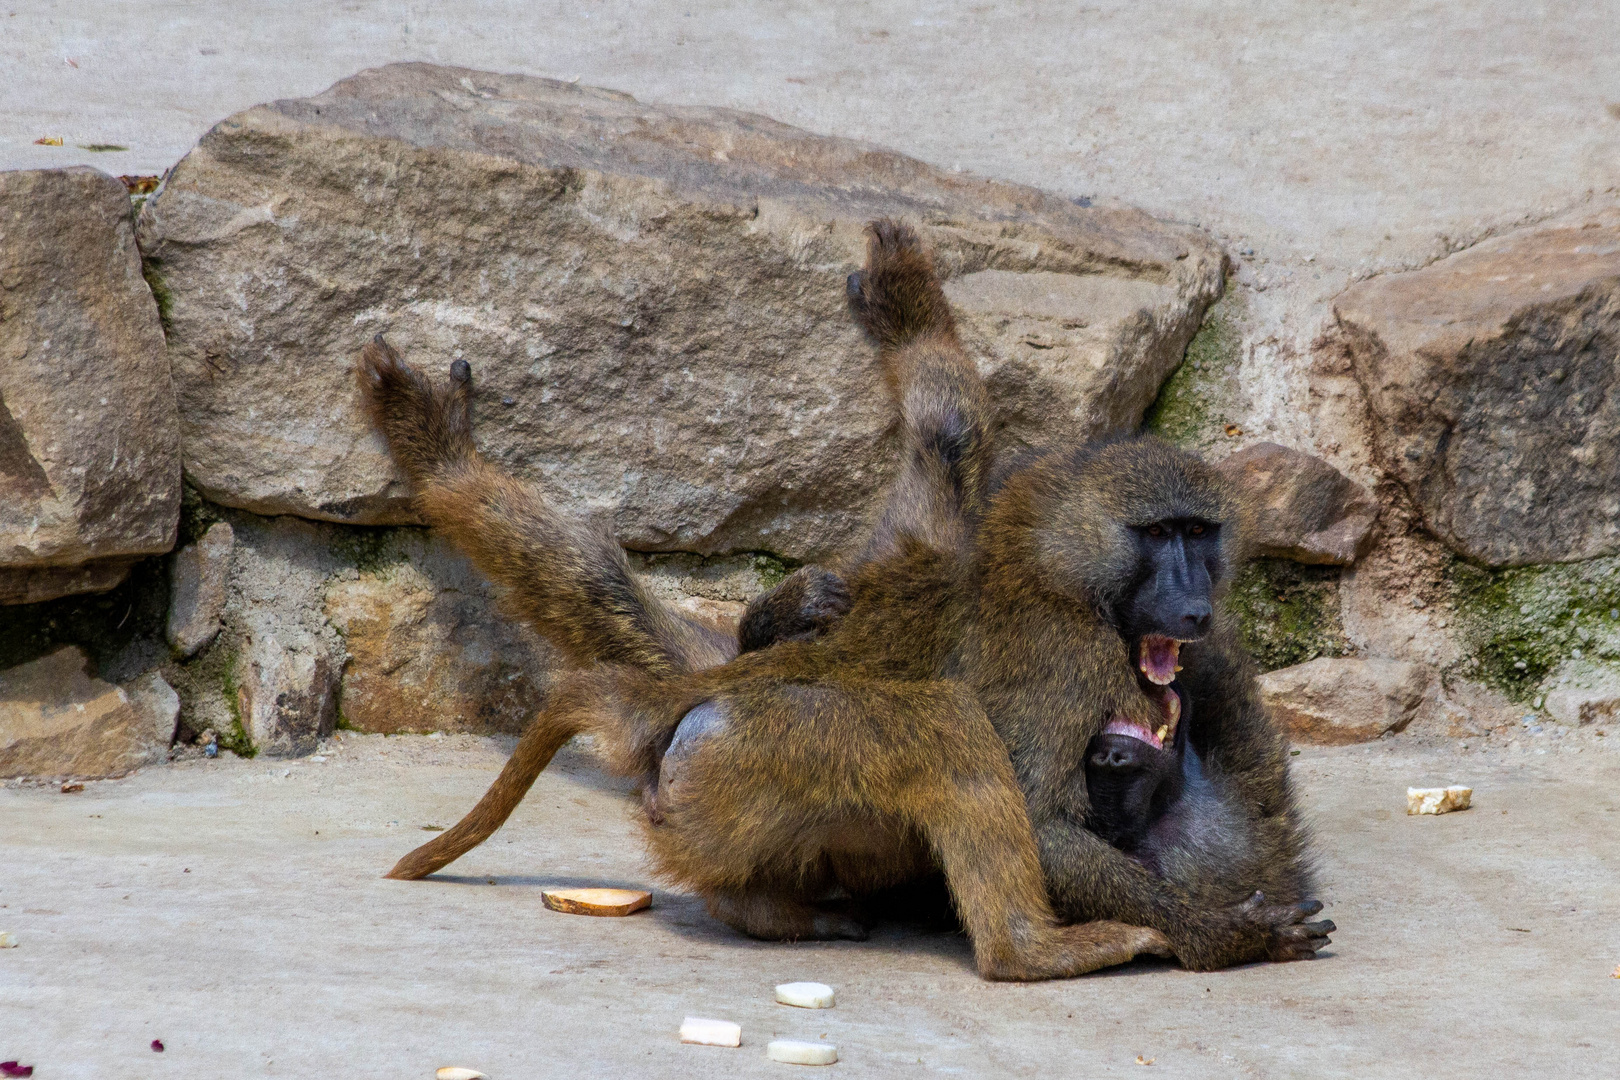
(157,1044)
(11,1068)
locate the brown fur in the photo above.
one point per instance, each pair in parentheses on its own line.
(941,722)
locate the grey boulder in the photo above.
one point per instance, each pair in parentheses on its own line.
(89,442)
(652,299)
(1495,390)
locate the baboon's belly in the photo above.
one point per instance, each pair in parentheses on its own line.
(869,854)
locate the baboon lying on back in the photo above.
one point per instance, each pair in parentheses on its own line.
(937,719)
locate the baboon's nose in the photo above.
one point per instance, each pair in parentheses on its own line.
(1196,618)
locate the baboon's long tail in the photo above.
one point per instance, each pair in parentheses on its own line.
(566,578)
(602,701)
(534,752)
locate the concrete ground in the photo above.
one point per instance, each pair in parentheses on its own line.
(235,910)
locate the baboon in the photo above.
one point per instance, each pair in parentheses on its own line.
(934,719)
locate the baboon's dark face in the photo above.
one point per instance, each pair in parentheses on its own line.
(1179,562)
(1131,780)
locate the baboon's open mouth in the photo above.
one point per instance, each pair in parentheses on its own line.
(1157,658)
(1169,705)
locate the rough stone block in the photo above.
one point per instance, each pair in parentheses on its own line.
(1302,508)
(1494,392)
(1584,693)
(428,652)
(286,697)
(652,300)
(198,580)
(57,720)
(1340,700)
(89,441)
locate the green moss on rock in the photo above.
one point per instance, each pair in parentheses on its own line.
(1287,612)
(368,549)
(1519,625)
(772,568)
(161,293)
(1201,396)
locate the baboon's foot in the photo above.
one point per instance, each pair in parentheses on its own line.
(897,297)
(776,918)
(427,426)
(1067,951)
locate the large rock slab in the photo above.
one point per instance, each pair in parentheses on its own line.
(652,299)
(1339,700)
(1301,507)
(59,721)
(89,444)
(1494,390)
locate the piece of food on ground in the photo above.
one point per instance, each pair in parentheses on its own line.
(7,941)
(458,1072)
(797,1052)
(595,901)
(805,995)
(710,1032)
(1438,800)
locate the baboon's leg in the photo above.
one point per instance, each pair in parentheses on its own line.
(765,758)
(778,918)
(946,419)
(566,578)
(981,834)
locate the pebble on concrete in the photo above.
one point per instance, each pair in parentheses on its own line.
(1438,800)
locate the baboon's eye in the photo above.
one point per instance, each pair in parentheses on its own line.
(1155,530)
(1196,530)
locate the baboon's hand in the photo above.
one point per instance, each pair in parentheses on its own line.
(1288,935)
(1253,930)
(427,427)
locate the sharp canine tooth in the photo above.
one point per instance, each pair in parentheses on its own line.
(1163,730)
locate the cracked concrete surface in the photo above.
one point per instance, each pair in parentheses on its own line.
(235,910)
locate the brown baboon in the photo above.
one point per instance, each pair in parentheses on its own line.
(928,706)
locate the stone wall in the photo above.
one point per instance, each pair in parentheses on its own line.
(652,302)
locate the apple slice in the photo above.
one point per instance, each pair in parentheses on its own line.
(595,901)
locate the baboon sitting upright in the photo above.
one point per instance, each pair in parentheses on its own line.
(988,637)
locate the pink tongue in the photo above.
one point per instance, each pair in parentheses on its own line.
(1158,659)
(1135,731)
